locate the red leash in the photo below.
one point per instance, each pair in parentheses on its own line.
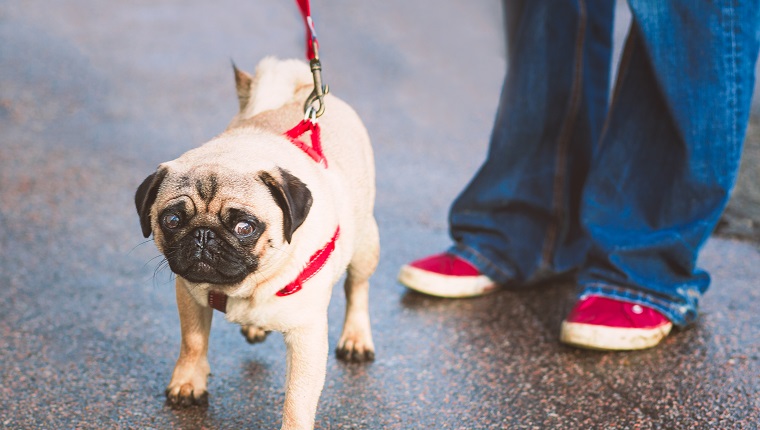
(312,46)
(312,54)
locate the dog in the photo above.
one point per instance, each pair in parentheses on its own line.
(251,223)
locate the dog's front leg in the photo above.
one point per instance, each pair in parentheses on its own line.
(307,363)
(188,383)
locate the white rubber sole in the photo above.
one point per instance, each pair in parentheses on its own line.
(591,336)
(434,284)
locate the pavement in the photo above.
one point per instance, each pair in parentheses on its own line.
(93,95)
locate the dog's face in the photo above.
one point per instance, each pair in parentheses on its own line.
(219,225)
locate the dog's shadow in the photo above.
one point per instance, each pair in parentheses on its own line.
(256,370)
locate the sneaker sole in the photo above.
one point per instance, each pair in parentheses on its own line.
(592,336)
(434,284)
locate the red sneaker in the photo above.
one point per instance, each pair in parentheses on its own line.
(607,324)
(445,275)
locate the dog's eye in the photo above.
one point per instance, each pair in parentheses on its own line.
(171,220)
(244,228)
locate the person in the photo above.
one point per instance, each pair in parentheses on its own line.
(622,193)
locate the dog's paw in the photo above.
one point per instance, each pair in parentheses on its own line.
(188,384)
(253,334)
(186,395)
(355,348)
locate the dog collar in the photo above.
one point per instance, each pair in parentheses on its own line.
(317,261)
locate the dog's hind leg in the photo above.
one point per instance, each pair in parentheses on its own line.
(355,343)
(253,334)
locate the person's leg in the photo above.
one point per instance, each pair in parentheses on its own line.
(517,218)
(670,152)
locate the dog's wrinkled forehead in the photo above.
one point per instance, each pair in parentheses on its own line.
(200,184)
(206,185)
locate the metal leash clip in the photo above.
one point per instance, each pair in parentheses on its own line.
(319,90)
(310,114)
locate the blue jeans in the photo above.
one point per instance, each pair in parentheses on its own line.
(623,192)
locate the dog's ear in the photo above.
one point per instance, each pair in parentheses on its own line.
(293,197)
(243,84)
(146,196)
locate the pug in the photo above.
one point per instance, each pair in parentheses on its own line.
(254,225)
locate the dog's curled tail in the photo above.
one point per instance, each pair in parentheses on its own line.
(273,85)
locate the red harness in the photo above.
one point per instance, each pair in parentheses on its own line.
(318,260)
(315,264)
(315,150)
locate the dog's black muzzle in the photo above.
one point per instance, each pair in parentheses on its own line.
(204,256)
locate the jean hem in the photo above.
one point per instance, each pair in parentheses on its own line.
(484,264)
(680,315)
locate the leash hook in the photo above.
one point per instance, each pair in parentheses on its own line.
(320,90)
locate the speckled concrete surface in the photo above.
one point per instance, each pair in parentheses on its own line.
(93,95)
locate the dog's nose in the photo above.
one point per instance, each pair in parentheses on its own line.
(203,236)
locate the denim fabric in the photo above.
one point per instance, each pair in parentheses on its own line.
(626,195)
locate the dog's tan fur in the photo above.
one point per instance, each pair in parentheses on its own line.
(271,102)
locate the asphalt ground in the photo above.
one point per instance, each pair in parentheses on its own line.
(93,95)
